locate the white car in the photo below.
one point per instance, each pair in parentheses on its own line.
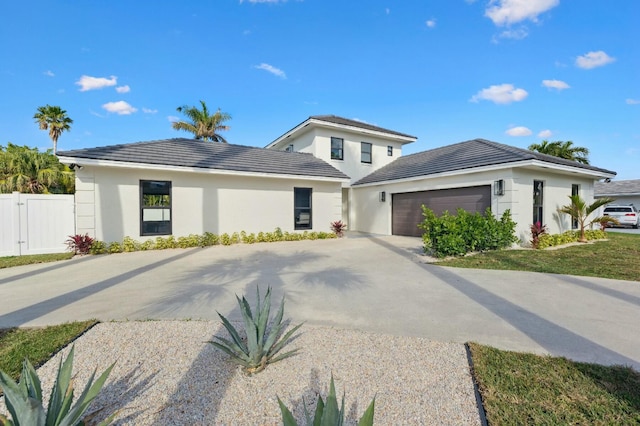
(627,215)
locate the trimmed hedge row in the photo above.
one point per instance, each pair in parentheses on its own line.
(550,240)
(207,239)
(456,235)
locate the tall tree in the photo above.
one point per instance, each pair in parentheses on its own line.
(562,149)
(54,119)
(27,170)
(202,124)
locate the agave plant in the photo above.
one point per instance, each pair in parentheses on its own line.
(327,413)
(263,341)
(24,399)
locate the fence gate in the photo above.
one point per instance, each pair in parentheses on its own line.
(35,224)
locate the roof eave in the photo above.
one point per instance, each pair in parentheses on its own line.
(80,161)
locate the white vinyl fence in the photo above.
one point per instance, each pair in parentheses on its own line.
(35,224)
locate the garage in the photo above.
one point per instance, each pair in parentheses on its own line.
(407,207)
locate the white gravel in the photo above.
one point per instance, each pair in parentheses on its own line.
(167,374)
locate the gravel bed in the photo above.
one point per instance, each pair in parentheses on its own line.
(167,374)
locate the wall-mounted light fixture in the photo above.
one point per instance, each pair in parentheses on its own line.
(498,187)
(383,196)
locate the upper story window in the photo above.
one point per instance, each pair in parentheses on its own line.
(337,145)
(390,151)
(289,148)
(365,152)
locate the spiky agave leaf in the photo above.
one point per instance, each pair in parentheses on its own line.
(367,417)
(23,409)
(234,334)
(60,399)
(287,417)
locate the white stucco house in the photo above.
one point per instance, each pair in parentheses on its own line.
(324,169)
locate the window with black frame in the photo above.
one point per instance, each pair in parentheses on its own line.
(575,190)
(538,189)
(155,207)
(365,152)
(337,151)
(302,208)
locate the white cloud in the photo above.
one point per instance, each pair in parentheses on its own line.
(545,134)
(593,60)
(120,108)
(633,101)
(149,110)
(49,73)
(500,94)
(123,89)
(431,23)
(555,84)
(507,12)
(173,118)
(92,83)
(514,34)
(519,131)
(271,69)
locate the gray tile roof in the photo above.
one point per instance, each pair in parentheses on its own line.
(620,187)
(354,123)
(210,155)
(460,156)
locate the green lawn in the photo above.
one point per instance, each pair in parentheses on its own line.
(618,258)
(519,388)
(10,261)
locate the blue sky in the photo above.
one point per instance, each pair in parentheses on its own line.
(512,71)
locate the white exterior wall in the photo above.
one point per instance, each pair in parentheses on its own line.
(317,141)
(200,202)
(368,214)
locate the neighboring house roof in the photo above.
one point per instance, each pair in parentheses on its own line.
(344,124)
(467,155)
(199,154)
(617,188)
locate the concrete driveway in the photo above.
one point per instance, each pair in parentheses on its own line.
(377,284)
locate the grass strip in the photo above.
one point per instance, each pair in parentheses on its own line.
(615,258)
(521,388)
(11,261)
(37,344)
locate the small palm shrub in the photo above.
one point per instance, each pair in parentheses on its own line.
(327,412)
(338,227)
(24,399)
(263,341)
(79,244)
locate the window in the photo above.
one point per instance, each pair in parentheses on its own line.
(390,151)
(289,148)
(302,208)
(336,148)
(365,152)
(538,188)
(155,207)
(575,190)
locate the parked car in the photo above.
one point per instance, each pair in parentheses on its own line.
(627,215)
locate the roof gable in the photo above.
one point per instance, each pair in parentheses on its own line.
(191,153)
(461,156)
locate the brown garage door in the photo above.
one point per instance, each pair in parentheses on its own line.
(407,207)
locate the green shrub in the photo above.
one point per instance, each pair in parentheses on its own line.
(327,412)
(98,247)
(552,240)
(248,238)
(189,241)
(166,243)
(225,239)
(450,235)
(148,245)
(24,399)
(263,340)
(278,235)
(129,245)
(209,239)
(114,247)
(235,238)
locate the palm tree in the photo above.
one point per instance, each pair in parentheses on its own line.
(203,124)
(580,211)
(54,119)
(26,170)
(562,149)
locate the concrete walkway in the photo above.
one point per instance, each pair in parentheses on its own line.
(377,284)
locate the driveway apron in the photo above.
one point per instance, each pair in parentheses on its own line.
(371,283)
